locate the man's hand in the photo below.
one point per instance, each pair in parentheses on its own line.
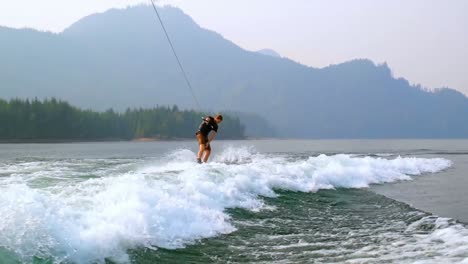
(207,144)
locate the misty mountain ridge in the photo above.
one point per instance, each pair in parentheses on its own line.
(120,58)
(269,52)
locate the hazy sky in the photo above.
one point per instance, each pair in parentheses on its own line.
(424,41)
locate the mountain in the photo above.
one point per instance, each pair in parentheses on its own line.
(120,59)
(269,52)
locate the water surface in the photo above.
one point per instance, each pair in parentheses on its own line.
(285,201)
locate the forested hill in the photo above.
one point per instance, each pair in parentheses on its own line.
(121,58)
(55,120)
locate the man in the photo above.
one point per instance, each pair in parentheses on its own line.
(209,124)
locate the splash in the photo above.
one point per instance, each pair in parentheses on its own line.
(169,202)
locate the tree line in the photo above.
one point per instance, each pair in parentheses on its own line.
(52,119)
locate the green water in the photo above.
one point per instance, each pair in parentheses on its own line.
(324,227)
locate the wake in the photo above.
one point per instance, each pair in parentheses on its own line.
(171,202)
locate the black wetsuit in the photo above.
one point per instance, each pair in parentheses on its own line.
(207,125)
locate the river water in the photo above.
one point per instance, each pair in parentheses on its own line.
(262,201)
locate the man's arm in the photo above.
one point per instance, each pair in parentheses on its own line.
(211,137)
(207,119)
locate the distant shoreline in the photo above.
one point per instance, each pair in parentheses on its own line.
(43,141)
(158,139)
(53,141)
(58,141)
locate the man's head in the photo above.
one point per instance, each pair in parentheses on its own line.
(218,118)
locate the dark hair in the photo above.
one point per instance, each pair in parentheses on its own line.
(218,116)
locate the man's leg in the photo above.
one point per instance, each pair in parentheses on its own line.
(200,152)
(207,154)
(201,145)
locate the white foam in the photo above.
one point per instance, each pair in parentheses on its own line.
(173,201)
(444,242)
